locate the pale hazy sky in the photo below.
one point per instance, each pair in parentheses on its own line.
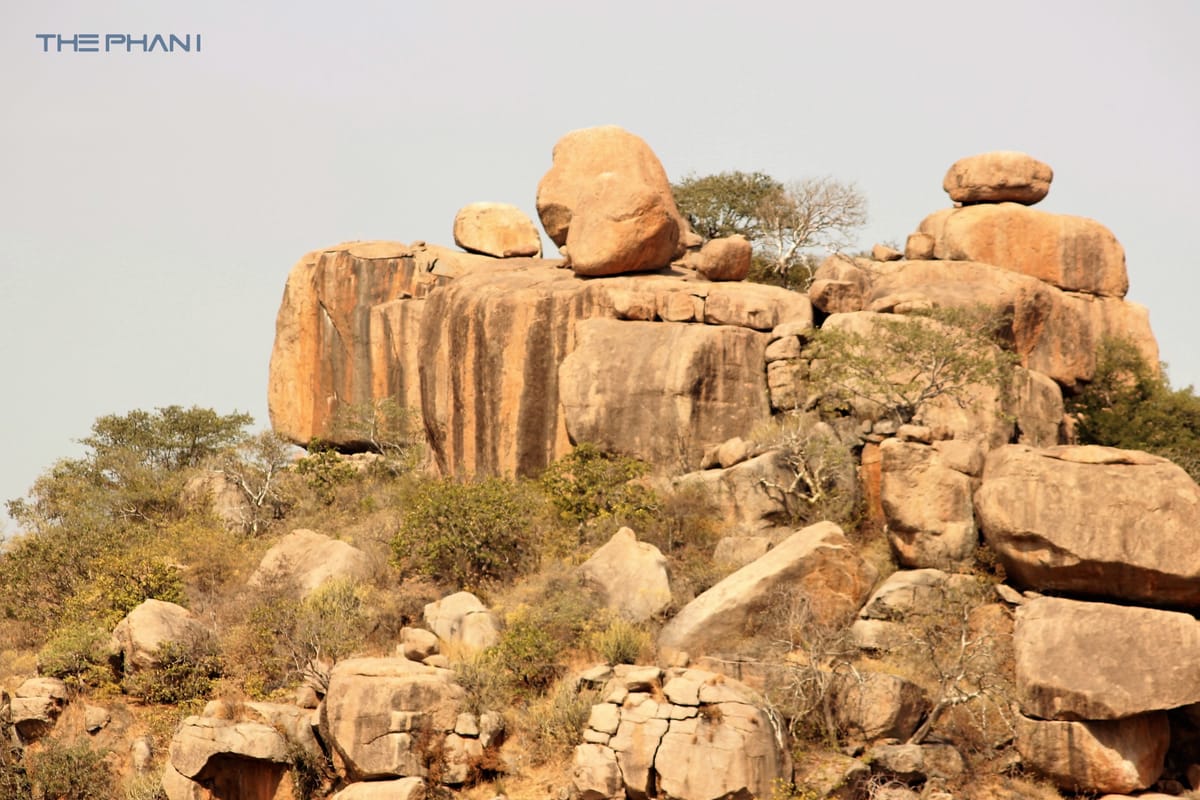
(152,204)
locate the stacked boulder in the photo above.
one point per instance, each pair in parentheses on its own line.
(682,733)
(1103,670)
(509,357)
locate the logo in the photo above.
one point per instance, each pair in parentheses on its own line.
(119,43)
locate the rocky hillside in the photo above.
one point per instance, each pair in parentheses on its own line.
(865,555)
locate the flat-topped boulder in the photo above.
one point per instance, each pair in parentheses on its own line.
(1073,253)
(1097,661)
(1002,176)
(1094,521)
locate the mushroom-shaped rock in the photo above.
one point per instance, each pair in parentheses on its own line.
(309,559)
(998,177)
(36,706)
(496,229)
(631,576)
(817,562)
(227,758)
(152,624)
(402,789)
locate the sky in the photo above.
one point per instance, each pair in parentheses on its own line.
(151,204)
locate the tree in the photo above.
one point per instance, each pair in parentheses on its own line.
(784,222)
(1131,405)
(256,467)
(906,362)
(823,476)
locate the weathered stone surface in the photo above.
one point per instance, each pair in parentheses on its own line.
(294,722)
(1095,661)
(631,576)
(402,789)
(909,762)
(34,707)
(309,559)
(595,774)
(882,252)
(690,387)
(927,505)
(1120,755)
(1072,253)
(580,158)
(380,712)
(463,618)
(817,562)
(325,351)
(496,229)
(152,624)
(200,740)
(724,259)
(919,247)
(756,306)
(740,492)
(692,734)
(1054,332)
(906,591)
(1003,176)
(417,644)
(216,491)
(1093,520)
(875,705)
(619,227)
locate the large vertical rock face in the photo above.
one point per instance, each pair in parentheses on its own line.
(678,390)
(324,348)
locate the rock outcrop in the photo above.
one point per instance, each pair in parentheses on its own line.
(1120,755)
(463,619)
(152,624)
(1096,661)
(1094,521)
(816,565)
(679,735)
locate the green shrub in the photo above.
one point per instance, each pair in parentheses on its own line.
(588,484)
(621,642)
(70,772)
(1131,405)
(186,672)
(324,471)
(14,782)
(466,534)
(78,653)
(557,722)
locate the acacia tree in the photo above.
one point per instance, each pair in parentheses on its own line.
(785,223)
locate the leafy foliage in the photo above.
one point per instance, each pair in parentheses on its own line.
(588,484)
(382,426)
(186,672)
(469,533)
(1131,405)
(784,222)
(909,361)
(74,772)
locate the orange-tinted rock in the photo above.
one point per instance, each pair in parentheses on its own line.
(723,259)
(496,229)
(1072,253)
(580,157)
(1119,755)
(998,177)
(621,226)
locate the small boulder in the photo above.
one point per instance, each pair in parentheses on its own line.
(402,789)
(496,229)
(463,618)
(631,576)
(310,559)
(152,624)
(881,252)
(998,177)
(875,705)
(724,259)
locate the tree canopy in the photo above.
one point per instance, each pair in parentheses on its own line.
(785,222)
